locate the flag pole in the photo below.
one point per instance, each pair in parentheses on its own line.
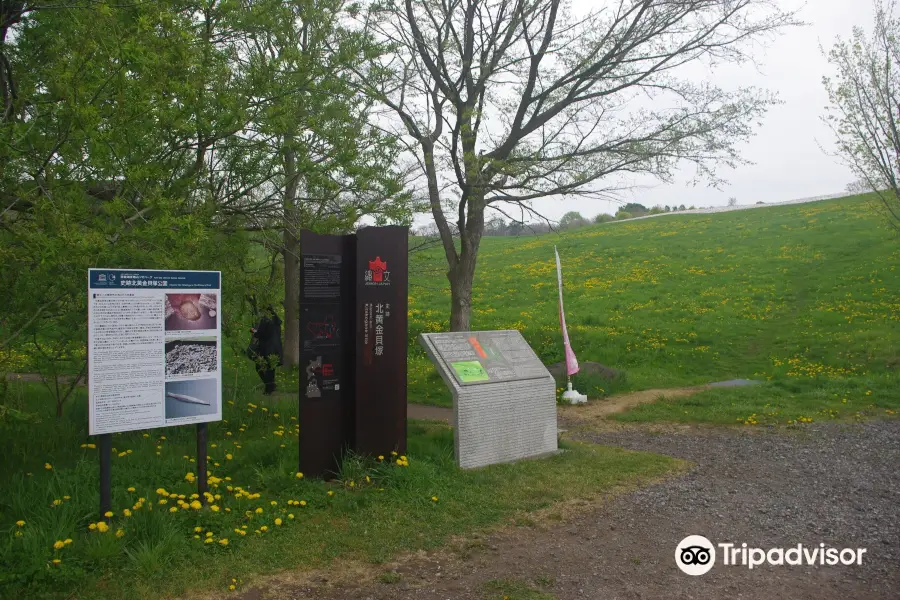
(570,395)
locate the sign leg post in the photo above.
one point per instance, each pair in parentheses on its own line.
(105,474)
(202,487)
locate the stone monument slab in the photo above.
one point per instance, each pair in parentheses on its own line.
(504,399)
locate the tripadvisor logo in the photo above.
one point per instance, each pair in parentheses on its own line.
(696,555)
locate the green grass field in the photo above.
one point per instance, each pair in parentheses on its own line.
(801,296)
(266,518)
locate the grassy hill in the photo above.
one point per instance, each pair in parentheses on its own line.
(804,296)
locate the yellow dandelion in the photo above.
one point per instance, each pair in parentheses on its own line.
(59,545)
(67,541)
(56,561)
(278,522)
(48,466)
(299,475)
(108,514)
(20,523)
(224,541)
(120,533)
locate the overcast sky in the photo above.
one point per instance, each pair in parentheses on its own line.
(787,150)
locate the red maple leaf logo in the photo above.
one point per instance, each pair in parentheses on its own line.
(378,267)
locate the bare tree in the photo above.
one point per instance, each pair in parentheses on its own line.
(865,105)
(507,101)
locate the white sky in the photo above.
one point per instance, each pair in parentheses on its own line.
(790,149)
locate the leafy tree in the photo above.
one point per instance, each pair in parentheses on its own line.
(603,218)
(623,215)
(571,220)
(681,207)
(864,96)
(325,166)
(108,123)
(506,101)
(635,209)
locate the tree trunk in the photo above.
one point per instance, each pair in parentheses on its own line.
(462,274)
(461,278)
(291,253)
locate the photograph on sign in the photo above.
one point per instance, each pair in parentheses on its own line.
(191,398)
(154,349)
(191,356)
(190,311)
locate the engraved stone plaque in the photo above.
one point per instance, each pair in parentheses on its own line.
(504,399)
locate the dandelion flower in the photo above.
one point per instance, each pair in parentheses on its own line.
(434,498)
(59,545)
(92,526)
(20,523)
(173,509)
(214,508)
(120,533)
(209,534)
(380,457)
(56,561)
(330,492)
(162,492)
(278,522)
(208,540)
(228,457)
(108,514)
(259,511)
(303,503)
(67,541)
(299,475)
(231,588)
(126,512)
(290,515)
(102,527)
(224,541)
(264,528)
(196,505)
(48,466)
(67,497)
(198,529)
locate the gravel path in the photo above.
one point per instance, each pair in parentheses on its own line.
(831,483)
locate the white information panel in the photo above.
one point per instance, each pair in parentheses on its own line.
(154,348)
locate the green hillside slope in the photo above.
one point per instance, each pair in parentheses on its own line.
(805,295)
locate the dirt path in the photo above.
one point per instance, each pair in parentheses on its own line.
(832,483)
(600,409)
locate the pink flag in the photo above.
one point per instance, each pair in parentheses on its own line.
(571,361)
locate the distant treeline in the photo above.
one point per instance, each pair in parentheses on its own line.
(498,226)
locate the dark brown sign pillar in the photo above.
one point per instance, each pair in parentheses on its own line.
(327,350)
(382,339)
(353,345)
